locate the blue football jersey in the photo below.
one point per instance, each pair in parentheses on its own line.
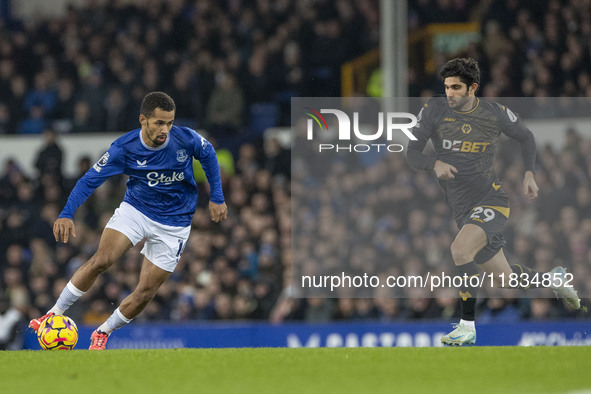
(161,184)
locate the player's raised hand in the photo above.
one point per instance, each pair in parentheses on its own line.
(62,228)
(218,212)
(530,187)
(444,171)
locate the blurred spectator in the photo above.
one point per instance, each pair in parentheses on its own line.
(287,309)
(82,122)
(542,309)
(12,325)
(92,92)
(64,107)
(258,86)
(41,94)
(185,89)
(499,310)
(16,99)
(35,123)
(225,107)
(84,164)
(278,159)
(318,310)
(49,158)
(6,123)
(97,313)
(116,112)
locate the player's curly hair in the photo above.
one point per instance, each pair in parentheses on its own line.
(464,68)
(155,100)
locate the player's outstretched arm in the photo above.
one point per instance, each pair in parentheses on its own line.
(62,228)
(218,212)
(530,187)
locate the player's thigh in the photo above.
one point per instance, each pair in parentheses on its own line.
(113,244)
(468,242)
(165,244)
(498,265)
(130,222)
(151,277)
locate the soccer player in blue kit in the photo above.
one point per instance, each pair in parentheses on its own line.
(158,206)
(465,131)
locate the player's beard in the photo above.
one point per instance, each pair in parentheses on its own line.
(155,140)
(458,103)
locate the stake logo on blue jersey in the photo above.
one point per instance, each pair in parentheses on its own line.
(155,178)
(161,184)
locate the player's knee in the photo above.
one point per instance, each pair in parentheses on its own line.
(460,254)
(100,262)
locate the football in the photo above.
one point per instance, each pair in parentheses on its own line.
(58,332)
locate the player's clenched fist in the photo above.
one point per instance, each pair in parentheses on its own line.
(62,228)
(218,212)
(530,187)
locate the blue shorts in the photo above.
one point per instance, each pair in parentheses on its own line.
(164,244)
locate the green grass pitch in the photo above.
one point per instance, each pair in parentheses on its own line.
(324,370)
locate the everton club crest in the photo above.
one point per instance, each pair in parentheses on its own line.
(181,155)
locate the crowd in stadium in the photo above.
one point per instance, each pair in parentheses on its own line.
(87,72)
(528,48)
